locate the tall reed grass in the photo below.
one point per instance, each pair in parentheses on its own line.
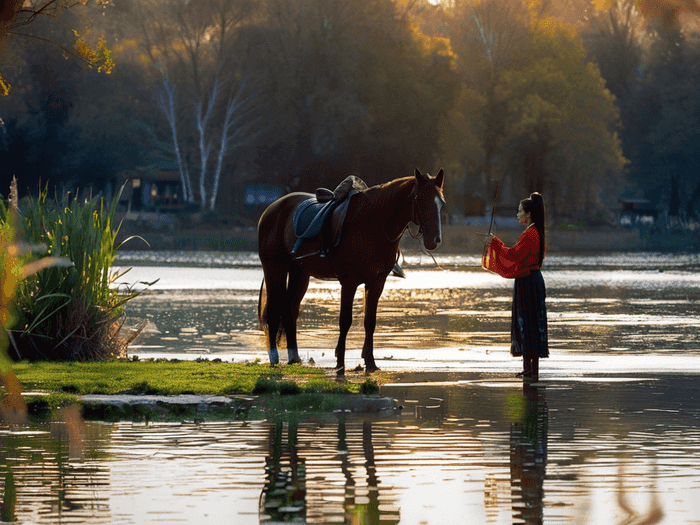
(68,311)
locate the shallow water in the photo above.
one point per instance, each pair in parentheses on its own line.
(466,448)
(620,304)
(612,436)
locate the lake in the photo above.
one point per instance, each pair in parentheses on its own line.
(611,436)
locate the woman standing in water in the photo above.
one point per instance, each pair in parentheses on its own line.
(522,262)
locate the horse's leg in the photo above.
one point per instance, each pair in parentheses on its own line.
(373,291)
(347,296)
(277,303)
(296,289)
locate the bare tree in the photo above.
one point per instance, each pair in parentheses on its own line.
(166,102)
(235,131)
(204,144)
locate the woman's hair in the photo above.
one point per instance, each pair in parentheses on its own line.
(534,205)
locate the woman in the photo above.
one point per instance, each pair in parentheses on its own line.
(522,262)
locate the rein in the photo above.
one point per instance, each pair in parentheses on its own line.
(415,213)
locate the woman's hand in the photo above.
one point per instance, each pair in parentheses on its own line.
(485,237)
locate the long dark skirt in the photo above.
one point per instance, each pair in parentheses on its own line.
(528,327)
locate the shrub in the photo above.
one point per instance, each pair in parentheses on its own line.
(68,311)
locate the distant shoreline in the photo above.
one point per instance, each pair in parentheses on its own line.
(456,239)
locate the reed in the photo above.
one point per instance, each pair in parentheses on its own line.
(69,311)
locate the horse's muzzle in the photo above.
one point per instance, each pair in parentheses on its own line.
(431,244)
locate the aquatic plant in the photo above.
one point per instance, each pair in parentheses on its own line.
(68,310)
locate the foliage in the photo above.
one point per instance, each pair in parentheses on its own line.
(649,60)
(538,110)
(489,88)
(16,16)
(12,272)
(70,311)
(12,407)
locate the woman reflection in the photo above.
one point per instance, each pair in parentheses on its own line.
(522,262)
(528,457)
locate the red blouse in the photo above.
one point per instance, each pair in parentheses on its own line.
(517,261)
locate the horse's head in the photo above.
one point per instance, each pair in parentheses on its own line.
(427,204)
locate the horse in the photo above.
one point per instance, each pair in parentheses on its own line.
(366,252)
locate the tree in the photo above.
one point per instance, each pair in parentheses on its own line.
(541,112)
(16,17)
(647,55)
(665,138)
(616,40)
(355,85)
(188,44)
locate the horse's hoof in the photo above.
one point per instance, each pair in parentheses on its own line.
(274,358)
(340,371)
(371,369)
(296,361)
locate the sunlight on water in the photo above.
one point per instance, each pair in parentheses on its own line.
(464,449)
(611,437)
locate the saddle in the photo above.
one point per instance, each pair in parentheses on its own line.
(313,215)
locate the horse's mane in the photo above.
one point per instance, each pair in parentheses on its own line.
(378,195)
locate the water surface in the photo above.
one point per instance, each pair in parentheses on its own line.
(465,448)
(610,436)
(619,304)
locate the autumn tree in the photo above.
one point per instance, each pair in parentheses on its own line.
(357,86)
(539,109)
(17,17)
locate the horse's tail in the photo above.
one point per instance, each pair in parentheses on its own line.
(262,307)
(262,313)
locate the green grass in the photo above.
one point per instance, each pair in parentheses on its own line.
(282,391)
(185,377)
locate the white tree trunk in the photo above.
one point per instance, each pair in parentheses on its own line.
(166,102)
(234,114)
(204,145)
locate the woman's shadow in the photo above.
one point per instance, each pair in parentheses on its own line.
(528,456)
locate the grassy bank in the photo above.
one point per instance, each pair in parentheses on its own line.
(49,386)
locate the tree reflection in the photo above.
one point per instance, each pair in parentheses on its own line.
(528,456)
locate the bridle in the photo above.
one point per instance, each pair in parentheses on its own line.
(414,207)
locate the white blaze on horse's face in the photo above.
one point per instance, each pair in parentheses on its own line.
(429,208)
(432,231)
(439,204)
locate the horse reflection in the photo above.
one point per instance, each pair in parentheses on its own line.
(284,496)
(528,457)
(361,508)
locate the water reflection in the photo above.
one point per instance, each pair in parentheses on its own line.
(475,449)
(528,455)
(284,496)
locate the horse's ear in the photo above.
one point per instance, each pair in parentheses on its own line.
(419,175)
(440,178)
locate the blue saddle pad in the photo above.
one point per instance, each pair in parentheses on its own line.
(311,215)
(308,217)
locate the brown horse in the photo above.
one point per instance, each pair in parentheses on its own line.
(365,254)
